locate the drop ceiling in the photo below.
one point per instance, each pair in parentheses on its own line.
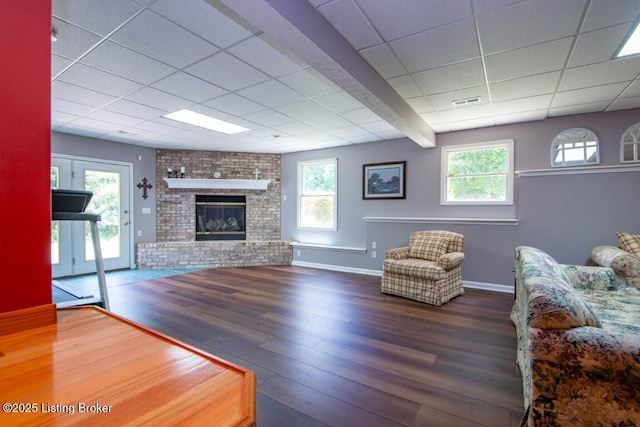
(304,75)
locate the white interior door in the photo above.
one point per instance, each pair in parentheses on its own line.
(71,242)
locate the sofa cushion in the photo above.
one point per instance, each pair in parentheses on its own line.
(630,243)
(554,305)
(429,248)
(413,267)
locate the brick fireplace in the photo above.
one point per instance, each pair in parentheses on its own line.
(177,246)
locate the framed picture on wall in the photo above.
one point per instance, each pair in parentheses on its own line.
(384,180)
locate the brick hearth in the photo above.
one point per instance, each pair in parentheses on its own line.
(175,209)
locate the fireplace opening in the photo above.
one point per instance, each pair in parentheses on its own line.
(221,217)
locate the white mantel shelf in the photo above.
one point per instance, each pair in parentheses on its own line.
(222,184)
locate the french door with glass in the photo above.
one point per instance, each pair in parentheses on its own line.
(71,245)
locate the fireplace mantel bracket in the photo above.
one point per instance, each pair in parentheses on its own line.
(224,184)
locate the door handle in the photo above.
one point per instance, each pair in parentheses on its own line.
(125,223)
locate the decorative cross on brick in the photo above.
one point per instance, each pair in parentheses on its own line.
(145,186)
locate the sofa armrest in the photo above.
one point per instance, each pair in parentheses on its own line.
(590,277)
(588,348)
(398,253)
(451,260)
(622,262)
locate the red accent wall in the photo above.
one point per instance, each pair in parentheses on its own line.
(25,150)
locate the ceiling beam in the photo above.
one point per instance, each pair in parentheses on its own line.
(299,28)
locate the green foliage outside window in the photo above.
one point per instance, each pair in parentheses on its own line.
(477,175)
(318,194)
(105,202)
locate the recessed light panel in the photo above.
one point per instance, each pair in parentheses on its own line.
(632,45)
(197,119)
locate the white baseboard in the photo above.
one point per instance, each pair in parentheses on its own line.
(467,284)
(342,268)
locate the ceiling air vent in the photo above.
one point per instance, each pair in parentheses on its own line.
(468,101)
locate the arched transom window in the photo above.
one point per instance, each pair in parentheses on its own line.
(630,144)
(575,147)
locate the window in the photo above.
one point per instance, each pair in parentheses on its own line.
(630,144)
(317,194)
(575,147)
(478,174)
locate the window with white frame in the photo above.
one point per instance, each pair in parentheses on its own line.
(477,174)
(630,144)
(575,147)
(318,194)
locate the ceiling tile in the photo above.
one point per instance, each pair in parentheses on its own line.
(420,104)
(452,77)
(605,13)
(204,20)
(632,90)
(98,16)
(532,103)
(349,20)
(126,63)
(587,95)
(309,83)
(271,93)
(598,46)
(158,99)
(227,72)
(472,124)
(134,109)
(79,94)
(385,62)
(484,6)
(394,21)
(234,104)
(604,73)
(72,41)
(115,118)
(361,116)
(591,107)
(528,23)
(69,107)
(189,87)
(528,61)
(268,118)
(59,118)
(443,101)
(261,55)
(625,103)
(159,126)
(440,46)
(377,127)
(332,121)
(158,38)
(338,102)
(466,113)
(526,86)
(296,129)
(405,86)
(304,110)
(89,77)
(528,116)
(58,64)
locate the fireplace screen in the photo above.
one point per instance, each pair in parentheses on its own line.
(220,217)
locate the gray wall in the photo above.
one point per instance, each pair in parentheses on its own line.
(73,145)
(565,215)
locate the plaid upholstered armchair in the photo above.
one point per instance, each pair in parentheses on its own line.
(428,270)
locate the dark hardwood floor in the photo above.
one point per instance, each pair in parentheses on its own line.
(329,349)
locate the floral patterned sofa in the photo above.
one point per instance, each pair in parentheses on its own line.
(578,337)
(625,260)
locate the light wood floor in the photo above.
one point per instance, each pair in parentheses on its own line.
(329,349)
